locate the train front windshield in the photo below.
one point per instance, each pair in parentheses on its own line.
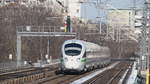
(73,49)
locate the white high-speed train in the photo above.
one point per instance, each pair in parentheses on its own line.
(80,56)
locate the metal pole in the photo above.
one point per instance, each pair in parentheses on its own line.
(100,24)
(113,36)
(107,32)
(118,29)
(85,15)
(48,47)
(18,50)
(148,26)
(134,12)
(134,4)
(119,33)
(67,6)
(145,40)
(100,27)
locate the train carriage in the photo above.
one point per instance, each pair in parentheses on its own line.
(79,56)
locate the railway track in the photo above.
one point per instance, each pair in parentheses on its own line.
(48,76)
(58,79)
(118,74)
(21,73)
(6,70)
(116,77)
(111,76)
(22,76)
(63,79)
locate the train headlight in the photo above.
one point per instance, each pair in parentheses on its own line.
(65,59)
(78,59)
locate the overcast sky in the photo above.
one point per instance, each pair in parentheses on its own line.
(89,10)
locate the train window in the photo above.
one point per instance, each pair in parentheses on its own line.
(73,49)
(73,45)
(72,52)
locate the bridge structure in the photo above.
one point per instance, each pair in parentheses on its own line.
(38,31)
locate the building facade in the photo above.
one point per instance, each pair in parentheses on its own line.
(121,24)
(123,17)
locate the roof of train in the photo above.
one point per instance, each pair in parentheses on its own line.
(88,45)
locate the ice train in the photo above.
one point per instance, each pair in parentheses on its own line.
(81,56)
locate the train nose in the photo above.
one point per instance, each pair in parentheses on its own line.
(73,64)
